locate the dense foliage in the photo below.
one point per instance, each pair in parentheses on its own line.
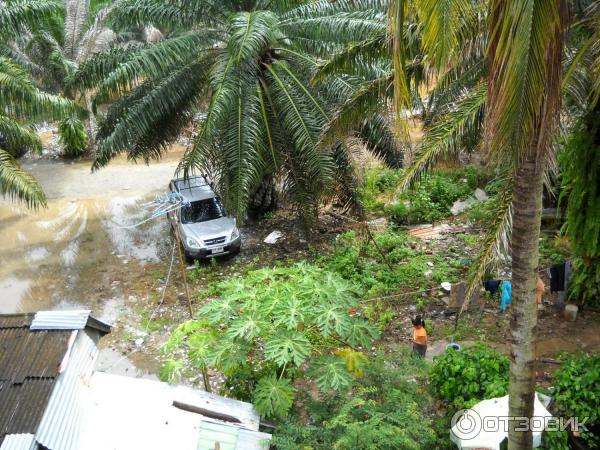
(255,62)
(273,326)
(22,104)
(72,136)
(395,261)
(580,164)
(464,378)
(427,202)
(383,410)
(577,392)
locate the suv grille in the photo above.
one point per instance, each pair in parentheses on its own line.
(215,241)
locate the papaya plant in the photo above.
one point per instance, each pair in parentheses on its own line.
(273,326)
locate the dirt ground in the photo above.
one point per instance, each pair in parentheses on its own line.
(78,253)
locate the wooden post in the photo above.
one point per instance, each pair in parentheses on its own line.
(183,272)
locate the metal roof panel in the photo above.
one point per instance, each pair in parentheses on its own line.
(19,442)
(60,320)
(60,427)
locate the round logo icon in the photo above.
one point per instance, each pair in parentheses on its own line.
(466,424)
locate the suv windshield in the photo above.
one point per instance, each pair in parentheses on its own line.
(202,210)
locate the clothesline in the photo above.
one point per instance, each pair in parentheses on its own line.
(404,294)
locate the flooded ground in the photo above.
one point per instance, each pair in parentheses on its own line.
(77,253)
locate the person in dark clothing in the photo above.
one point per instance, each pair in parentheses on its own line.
(492,286)
(557,280)
(419,337)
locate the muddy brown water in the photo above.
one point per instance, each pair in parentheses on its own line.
(76,253)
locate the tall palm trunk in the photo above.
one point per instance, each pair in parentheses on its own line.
(91,123)
(524,96)
(527,207)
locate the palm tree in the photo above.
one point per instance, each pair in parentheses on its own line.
(520,88)
(524,98)
(23,104)
(53,47)
(264,120)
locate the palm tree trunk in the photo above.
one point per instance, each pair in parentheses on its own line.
(527,207)
(264,199)
(91,124)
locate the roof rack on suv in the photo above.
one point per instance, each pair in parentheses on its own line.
(192,182)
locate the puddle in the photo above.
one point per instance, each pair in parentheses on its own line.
(75,253)
(13,290)
(131,365)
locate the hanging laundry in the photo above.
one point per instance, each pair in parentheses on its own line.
(506,291)
(540,286)
(557,282)
(492,286)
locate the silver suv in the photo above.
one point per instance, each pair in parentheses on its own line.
(204,228)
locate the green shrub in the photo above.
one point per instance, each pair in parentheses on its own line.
(384,410)
(361,263)
(464,378)
(577,392)
(73,137)
(273,326)
(483,212)
(555,440)
(378,183)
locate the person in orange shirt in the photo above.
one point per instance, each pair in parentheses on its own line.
(419,337)
(540,291)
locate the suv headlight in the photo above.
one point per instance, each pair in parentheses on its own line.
(235,234)
(193,243)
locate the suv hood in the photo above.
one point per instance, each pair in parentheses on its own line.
(210,229)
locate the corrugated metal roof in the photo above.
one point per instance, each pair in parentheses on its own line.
(19,442)
(253,440)
(23,404)
(25,354)
(28,370)
(60,320)
(60,428)
(212,433)
(15,320)
(230,437)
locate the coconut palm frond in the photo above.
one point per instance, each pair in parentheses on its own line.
(324,8)
(593,19)
(18,184)
(21,100)
(445,135)
(351,59)
(309,171)
(323,27)
(363,102)
(442,21)
(142,113)
(495,246)
(16,136)
(520,78)
(16,14)
(402,94)
(148,62)
(92,72)
(451,87)
(380,141)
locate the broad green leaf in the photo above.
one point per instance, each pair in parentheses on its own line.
(273,397)
(287,347)
(330,373)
